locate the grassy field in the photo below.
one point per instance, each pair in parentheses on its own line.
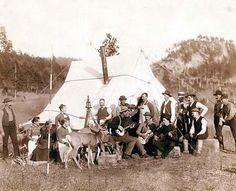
(210,171)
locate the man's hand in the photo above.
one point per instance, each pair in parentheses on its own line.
(3,134)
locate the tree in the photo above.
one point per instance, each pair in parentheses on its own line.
(5,44)
(110,44)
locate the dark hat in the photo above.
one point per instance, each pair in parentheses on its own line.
(61,106)
(181,94)
(225,96)
(166,116)
(123,109)
(6,100)
(195,110)
(147,114)
(48,122)
(167,92)
(122,98)
(191,94)
(218,92)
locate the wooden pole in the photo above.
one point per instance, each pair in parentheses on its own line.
(104,64)
(88,107)
(50,100)
(15,77)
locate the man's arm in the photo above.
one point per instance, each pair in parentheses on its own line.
(192,129)
(172,107)
(203,107)
(138,131)
(231,112)
(1,127)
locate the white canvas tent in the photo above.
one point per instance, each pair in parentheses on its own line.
(85,78)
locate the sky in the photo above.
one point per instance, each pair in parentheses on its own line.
(74,28)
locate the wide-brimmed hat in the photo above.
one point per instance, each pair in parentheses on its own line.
(122,98)
(167,92)
(218,92)
(6,100)
(195,110)
(147,114)
(123,109)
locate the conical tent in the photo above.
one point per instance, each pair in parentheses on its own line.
(85,78)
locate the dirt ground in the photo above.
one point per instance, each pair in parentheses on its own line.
(210,171)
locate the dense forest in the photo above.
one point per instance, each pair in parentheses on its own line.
(27,72)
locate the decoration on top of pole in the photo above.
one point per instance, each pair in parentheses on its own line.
(109,48)
(88,107)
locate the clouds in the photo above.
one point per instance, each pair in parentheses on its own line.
(69,27)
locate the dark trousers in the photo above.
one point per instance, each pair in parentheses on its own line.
(10,131)
(165,146)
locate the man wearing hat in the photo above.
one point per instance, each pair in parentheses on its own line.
(145,133)
(198,131)
(61,115)
(217,114)
(165,137)
(117,126)
(168,107)
(229,115)
(8,128)
(193,103)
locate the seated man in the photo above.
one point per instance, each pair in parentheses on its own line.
(63,144)
(145,133)
(117,126)
(198,131)
(165,136)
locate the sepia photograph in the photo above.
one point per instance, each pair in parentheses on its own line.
(116,95)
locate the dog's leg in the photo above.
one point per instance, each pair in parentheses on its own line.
(74,158)
(66,156)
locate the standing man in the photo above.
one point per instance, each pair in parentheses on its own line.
(62,115)
(168,107)
(8,127)
(218,107)
(229,115)
(104,113)
(193,103)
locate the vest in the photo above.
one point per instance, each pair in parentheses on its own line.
(102,113)
(167,109)
(5,117)
(198,125)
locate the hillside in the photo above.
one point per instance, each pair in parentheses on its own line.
(202,62)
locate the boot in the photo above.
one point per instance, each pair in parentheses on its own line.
(221,142)
(185,141)
(199,146)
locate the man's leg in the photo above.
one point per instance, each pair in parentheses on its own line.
(126,139)
(14,141)
(5,142)
(169,145)
(220,137)
(232,124)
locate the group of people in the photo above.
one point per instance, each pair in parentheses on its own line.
(140,128)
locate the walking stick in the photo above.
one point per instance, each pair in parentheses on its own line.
(48,150)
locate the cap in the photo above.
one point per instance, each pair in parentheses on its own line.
(195,110)
(147,114)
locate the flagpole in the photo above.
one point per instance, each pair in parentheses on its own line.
(49,135)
